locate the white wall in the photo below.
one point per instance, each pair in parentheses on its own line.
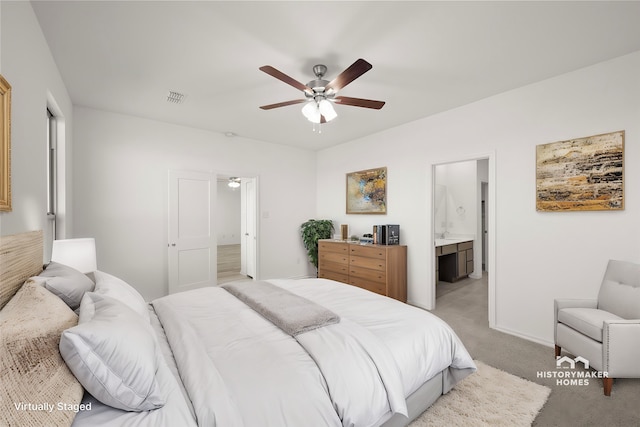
(121,166)
(540,256)
(228,214)
(30,70)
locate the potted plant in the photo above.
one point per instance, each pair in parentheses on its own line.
(312,231)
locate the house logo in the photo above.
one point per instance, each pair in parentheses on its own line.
(569,373)
(565,362)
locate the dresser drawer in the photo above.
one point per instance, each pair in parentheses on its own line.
(368,251)
(327,246)
(336,267)
(337,257)
(372,263)
(377,287)
(332,275)
(367,274)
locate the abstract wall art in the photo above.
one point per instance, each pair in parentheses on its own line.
(583,174)
(367,191)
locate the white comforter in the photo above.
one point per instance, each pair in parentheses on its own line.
(421,343)
(240,370)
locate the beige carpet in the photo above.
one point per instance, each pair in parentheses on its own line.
(489,397)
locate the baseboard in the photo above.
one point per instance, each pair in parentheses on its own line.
(419,305)
(525,337)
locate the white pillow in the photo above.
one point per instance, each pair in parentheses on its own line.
(116,288)
(112,352)
(67,283)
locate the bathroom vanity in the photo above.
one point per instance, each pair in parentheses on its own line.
(454,258)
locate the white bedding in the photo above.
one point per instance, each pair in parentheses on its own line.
(422,344)
(177,410)
(265,376)
(238,369)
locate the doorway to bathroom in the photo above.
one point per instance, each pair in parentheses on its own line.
(463,228)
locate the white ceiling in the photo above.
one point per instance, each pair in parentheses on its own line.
(427,57)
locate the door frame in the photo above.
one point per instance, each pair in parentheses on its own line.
(225,175)
(256,225)
(491,223)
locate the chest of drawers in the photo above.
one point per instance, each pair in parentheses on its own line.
(377,268)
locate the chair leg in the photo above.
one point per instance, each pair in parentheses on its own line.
(608,384)
(558,350)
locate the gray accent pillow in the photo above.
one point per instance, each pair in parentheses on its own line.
(67,283)
(114,354)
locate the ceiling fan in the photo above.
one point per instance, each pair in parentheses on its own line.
(320,94)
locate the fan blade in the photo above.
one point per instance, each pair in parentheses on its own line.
(359,102)
(283,77)
(354,71)
(283,104)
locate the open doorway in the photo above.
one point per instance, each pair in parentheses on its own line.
(463,228)
(236,228)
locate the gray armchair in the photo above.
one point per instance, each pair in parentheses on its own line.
(606,330)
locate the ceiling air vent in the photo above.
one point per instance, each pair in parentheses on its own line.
(175,97)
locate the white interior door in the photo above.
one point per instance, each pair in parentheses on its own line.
(249,227)
(192,241)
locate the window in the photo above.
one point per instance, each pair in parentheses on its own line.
(51,174)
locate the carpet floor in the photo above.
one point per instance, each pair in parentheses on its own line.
(488,397)
(465,309)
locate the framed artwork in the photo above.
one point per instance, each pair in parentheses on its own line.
(5,145)
(584,174)
(367,192)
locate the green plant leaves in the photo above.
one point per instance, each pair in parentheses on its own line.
(312,231)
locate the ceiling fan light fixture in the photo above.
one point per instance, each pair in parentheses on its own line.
(234,182)
(326,109)
(319,94)
(311,112)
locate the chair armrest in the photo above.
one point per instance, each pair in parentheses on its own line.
(561,303)
(621,348)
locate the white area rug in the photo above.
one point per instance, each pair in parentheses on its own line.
(489,397)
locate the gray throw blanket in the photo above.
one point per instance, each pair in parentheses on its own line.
(290,312)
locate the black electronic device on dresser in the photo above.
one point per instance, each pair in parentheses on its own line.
(387,234)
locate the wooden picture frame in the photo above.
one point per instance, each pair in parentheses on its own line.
(583,174)
(5,145)
(367,191)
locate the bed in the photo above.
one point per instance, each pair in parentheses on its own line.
(310,352)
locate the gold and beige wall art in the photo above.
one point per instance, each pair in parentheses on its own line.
(583,174)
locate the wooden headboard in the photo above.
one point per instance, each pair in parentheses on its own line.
(20,258)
